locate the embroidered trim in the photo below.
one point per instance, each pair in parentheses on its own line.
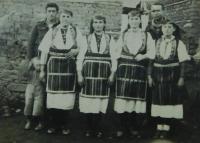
(107,37)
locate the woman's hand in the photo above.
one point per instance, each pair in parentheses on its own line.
(72,53)
(42,76)
(111,78)
(140,57)
(180,82)
(80,79)
(150,81)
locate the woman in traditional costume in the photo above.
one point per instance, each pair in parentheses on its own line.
(131,79)
(96,66)
(59,49)
(166,76)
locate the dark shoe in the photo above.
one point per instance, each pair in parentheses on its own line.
(6,111)
(139,136)
(136,134)
(88,133)
(66,131)
(157,135)
(28,125)
(99,134)
(163,135)
(39,127)
(119,134)
(51,131)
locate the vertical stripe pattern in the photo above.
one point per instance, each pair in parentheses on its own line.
(130,80)
(61,75)
(96,71)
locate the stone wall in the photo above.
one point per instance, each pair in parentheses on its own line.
(186,13)
(17,18)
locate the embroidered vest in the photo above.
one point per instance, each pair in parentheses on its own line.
(73,32)
(173,58)
(107,49)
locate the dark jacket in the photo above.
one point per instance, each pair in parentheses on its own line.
(37,35)
(155,32)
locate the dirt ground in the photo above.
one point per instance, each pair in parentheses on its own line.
(11,131)
(188,131)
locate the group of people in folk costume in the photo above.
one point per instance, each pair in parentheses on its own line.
(139,60)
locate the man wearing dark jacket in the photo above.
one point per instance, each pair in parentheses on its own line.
(37,35)
(41,28)
(156,19)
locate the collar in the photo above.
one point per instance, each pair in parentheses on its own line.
(64,27)
(168,39)
(135,30)
(44,22)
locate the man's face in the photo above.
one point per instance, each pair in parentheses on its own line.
(156,11)
(51,13)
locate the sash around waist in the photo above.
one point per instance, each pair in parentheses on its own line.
(166,65)
(97,58)
(130,60)
(59,52)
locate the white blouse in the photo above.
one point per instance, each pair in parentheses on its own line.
(166,48)
(134,41)
(94,49)
(58,42)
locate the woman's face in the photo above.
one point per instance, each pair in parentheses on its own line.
(98,25)
(65,18)
(168,29)
(134,21)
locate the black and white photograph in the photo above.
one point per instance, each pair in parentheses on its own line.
(99,71)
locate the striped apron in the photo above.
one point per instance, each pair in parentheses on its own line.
(96,70)
(130,79)
(61,72)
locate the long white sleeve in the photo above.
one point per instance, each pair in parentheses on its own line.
(114,53)
(82,43)
(80,39)
(118,47)
(182,52)
(151,52)
(45,46)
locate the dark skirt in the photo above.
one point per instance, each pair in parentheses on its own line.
(131,80)
(166,91)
